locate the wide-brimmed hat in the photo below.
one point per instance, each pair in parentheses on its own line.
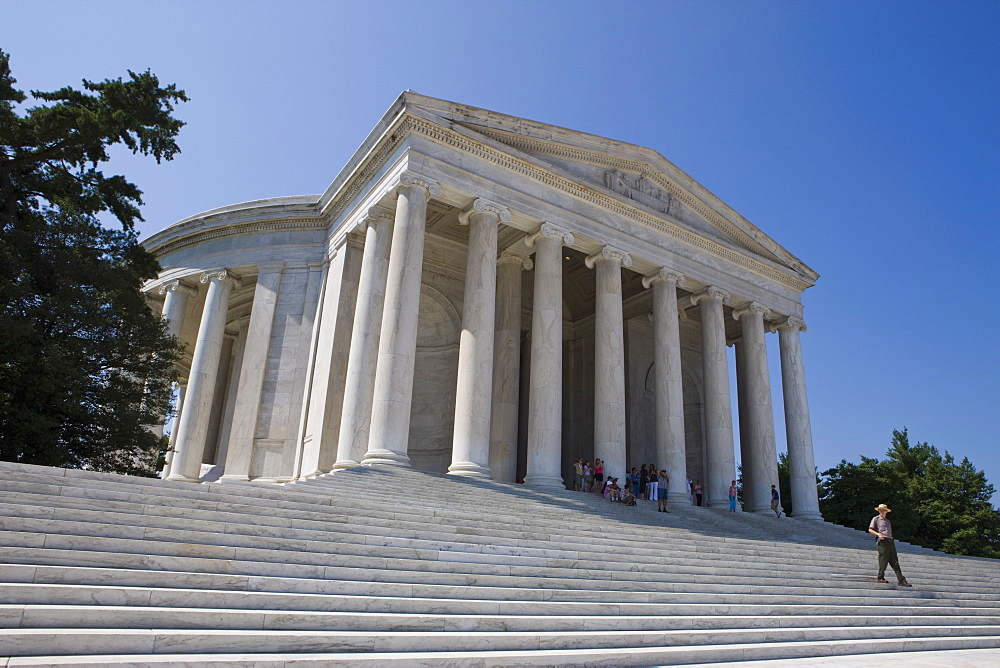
(884,507)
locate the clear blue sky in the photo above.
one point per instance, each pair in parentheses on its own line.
(862,136)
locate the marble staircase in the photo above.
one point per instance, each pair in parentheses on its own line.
(389,566)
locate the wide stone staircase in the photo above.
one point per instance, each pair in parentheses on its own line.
(389,566)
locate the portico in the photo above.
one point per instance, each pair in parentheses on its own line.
(487,296)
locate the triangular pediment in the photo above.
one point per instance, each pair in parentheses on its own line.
(633,174)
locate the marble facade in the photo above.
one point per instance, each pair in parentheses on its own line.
(486,296)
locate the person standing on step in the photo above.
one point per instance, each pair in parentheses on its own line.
(775,502)
(599,476)
(690,489)
(732,497)
(643,482)
(663,481)
(652,485)
(588,476)
(697,493)
(578,475)
(882,527)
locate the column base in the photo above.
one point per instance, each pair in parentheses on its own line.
(544,481)
(813,516)
(469,469)
(235,478)
(385,458)
(182,478)
(344,465)
(717,505)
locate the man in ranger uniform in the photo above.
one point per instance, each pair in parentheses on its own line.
(882,527)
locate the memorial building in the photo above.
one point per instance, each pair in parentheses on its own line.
(485,295)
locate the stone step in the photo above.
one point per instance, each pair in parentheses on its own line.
(174,543)
(444,485)
(605,590)
(394,566)
(26,642)
(891,651)
(119,523)
(711,595)
(212,495)
(433,567)
(51,616)
(612,604)
(457,546)
(28,506)
(968,652)
(215,502)
(215,533)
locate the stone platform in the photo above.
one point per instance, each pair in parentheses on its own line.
(390,566)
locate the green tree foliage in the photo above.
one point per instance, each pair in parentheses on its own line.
(935,501)
(85,365)
(785,485)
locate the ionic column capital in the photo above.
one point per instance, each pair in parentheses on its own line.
(176,286)
(790,323)
(373,215)
(411,179)
(484,206)
(509,257)
(663,274)
(752,308)
(609,253)
(550,230)
(711,293)
(222,275)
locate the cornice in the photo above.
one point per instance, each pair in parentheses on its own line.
(253,227)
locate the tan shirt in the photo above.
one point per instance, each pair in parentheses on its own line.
(882,525)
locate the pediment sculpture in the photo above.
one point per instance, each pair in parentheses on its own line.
(640,189)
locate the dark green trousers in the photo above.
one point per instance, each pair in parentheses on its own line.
(887,557)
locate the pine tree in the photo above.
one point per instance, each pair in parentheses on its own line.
(85,365)
(935,502)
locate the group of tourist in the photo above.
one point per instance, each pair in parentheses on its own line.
(646,482)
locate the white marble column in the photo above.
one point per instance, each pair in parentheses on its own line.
(332,331)
(189,445)
(721,458)
(506,367)
(760,459)
(544,468)
(390,426)
(470,453)
(609,360)
(175,300)
(798,431)
(670,446)
(232,392)
(744,428)
(359,386)
(253,364)
(180,389)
